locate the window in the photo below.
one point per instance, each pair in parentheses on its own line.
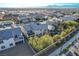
(11,44)
(16,36)
(2,47)
(20,37)
(1,42)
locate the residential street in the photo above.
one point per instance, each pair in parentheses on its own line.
(57,51)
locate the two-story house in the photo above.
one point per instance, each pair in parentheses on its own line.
(10,37)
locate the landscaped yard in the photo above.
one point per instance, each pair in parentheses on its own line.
(39,43)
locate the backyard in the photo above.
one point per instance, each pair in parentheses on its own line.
(38,43)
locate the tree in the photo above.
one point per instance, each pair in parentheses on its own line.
(63,34)
(39,43)
(68,30)
(70,22)
(56,37)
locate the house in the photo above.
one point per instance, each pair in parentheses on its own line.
(37,28)
(35,16)
(18,37)
(1,15)
(10,37)
(69,17)
(10,16)
(5,25)
(6,39)
(76,15)
(54,21)
(56,14)
(23,18)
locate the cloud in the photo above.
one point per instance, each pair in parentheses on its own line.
(33,3)
(39,1)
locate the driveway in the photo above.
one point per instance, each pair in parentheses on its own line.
(19,50)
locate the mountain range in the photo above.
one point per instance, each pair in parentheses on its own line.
(63,5)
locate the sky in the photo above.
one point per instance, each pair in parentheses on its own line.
(33,3)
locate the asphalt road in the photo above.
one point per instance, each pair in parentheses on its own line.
(19,50)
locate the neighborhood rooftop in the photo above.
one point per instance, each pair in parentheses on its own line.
(8,33)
